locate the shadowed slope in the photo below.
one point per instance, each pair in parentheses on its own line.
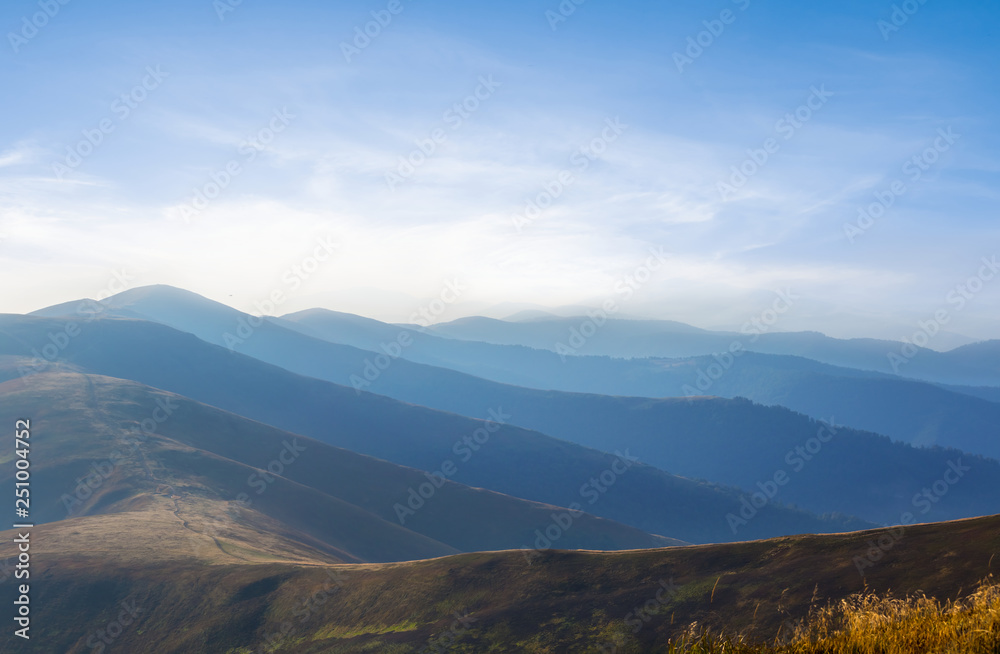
(560,602)
(92,456)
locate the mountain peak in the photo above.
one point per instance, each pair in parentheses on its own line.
(155,292)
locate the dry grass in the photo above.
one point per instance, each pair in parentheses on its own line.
(872,624)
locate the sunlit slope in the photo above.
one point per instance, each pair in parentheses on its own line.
(501,601)
(104,445)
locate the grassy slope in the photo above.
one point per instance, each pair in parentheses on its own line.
(334,497)
(562,602)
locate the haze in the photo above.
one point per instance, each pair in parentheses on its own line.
(635,132)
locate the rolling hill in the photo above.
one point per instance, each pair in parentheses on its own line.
(510,460)
(90,457)
(168,602)
(976,364)
(733,442)
(915,412)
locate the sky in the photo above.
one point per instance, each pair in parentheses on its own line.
(368,156)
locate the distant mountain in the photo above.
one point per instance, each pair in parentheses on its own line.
(919,414)
(989,393)
(914,412)
(507,459)
(530,314)
(973,365)
(984,353)
(732,442)
(220,473)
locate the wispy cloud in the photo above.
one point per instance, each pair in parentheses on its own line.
(655,186)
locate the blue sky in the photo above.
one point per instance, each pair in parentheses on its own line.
(224,81)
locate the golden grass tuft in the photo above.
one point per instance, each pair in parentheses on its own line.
(872,624)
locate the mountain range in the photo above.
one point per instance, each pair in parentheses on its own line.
(321,481)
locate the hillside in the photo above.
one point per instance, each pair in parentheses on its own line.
(609,424)
(976,364)
(91,457)
(560,602)
(920,413)
(511,460)
(858,473)
(313,343)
